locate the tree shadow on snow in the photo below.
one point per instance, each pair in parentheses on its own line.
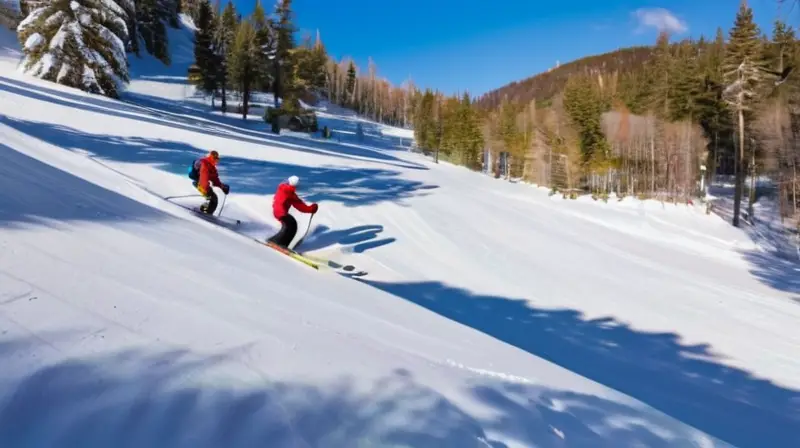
(680,380)
(780,273)
(148,398)
(345,129)
(193,119)
(356,239)
(35,193)
(777,264)
(349,186)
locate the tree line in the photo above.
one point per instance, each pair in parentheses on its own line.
(663,125)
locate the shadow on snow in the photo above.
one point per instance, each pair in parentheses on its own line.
(142,398)
(777,272)
(680,380)
(35,192)
(359,238)
(202,122)
(349,186)
(777,265)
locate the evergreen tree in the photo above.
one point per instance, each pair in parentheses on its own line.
(507,130)
(78,43)
(451,126)
(662,70)
(584,108)
(782,54)
(713,112)
(151,28)
(425,122)
(223,41)
(282,62)
(243,63)
(687,79)
(265,42)
(350,85)
(205,58)
(743,76)
(472,137)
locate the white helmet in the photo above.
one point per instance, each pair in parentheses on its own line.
(294,180)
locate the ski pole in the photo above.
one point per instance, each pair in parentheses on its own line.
(223,205)
(183,196)
(307,229)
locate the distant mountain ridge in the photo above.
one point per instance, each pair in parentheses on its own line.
(544,86)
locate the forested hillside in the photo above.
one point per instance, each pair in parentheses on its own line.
(654,121)
(544,86)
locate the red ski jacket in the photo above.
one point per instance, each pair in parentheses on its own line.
(208,173)
(285,198)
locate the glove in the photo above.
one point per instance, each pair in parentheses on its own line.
(225,188)
(314,208)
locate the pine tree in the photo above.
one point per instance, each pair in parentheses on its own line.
(713,112)
(782,54)
(508,131)
(687,83)
(78,43)
(282,62)
(152,31)
(472,137)
(662,71)
(223,41)
(584,108)
(243,63)
(265,41)
(425,122)
(451,126)
(318,63)
(350,85)
(205,58)
(743,78)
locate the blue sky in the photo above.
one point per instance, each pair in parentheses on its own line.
(457,45)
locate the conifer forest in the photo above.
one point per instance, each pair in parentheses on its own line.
(661,121)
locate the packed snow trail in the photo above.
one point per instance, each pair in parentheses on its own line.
(493,315)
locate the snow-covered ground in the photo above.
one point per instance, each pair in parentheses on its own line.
(493,315)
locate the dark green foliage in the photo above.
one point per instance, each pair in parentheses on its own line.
(350,86)
(584,107)
(282,62)
(151,16)
(311,61)
(265,42)
(204,55)
(244,62)
(425,123)
(222,44)
(67,33)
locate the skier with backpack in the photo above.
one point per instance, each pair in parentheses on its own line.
(203,173)
(285,198)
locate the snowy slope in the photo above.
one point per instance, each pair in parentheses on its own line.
(492,315)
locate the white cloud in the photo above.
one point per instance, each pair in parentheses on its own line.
(660,19)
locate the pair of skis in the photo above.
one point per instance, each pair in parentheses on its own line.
(311,261)
(316,262)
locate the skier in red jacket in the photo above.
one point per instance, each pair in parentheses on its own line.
(285,198)
(204,174)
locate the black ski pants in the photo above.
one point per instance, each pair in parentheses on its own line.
(288,230)
(211,202)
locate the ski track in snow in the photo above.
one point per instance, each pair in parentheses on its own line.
(492,314)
